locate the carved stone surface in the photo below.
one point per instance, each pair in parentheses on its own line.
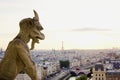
(17,55)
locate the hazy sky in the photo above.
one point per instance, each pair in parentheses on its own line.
(81,24)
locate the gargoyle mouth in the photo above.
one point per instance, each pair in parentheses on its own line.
(41,37)
(37,39)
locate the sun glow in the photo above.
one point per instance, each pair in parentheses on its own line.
(86,40)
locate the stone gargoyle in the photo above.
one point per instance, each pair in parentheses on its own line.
(17,55)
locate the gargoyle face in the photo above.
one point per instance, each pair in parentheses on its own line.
(32,28)
(36,29)
(35,32)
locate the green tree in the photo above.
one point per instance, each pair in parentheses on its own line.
(91,70)
(89,75)
(64,63)
(84,77)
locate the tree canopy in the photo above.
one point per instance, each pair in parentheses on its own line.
(84,77)
(64,64)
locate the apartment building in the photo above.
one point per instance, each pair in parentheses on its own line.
(113,75)
(99,72)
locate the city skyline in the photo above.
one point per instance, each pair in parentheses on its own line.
(87,24)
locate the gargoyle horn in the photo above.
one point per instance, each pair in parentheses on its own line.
(36,15)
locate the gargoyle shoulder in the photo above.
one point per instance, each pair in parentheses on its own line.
(18,43)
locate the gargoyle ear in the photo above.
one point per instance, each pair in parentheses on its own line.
(36,17)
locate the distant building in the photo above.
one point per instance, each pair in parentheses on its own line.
(113,75)
(99,72)
(74,62)
(106,61)
(1,54)
(116,63)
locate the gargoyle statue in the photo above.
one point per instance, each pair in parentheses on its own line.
(17,55)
